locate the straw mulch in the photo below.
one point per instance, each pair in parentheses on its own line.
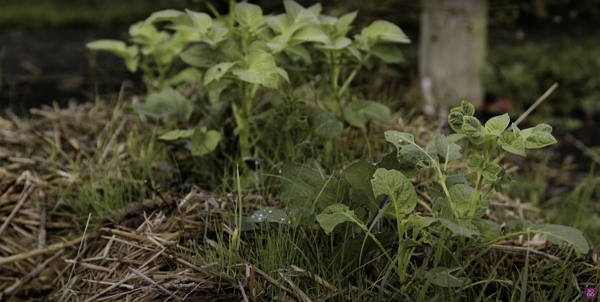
(144,254)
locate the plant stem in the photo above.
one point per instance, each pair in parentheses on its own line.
(475,201)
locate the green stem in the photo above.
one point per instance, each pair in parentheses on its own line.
(476,196)
(352,76)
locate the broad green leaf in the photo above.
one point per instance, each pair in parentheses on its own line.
(166,103)
(556,234)
(358,175)
(325,125)
(146,34)
(471,127)
(538,137)
(420,222)
(113,46)
(328,192)
(441,276)
(132,58)
(297,183)
(174,135)
(455,120)
(512,143)
(269,214)
(417,156)
(392,161)
(496,125)
(283,74)
(163,15)
(447,150)
(278,23)
(311,34)
(300,52)
(344,22)
(398,188)
(298,14)
(355,53)
(488,229)
(350,251)
(249,15)
(452,180)
(187,76)
(200,55)
(261,69)
(461,196)
(191,21)
(465,229)
(399,139)
(385,31)
(466,108)
(216,35)
(363,111)
(338,44)
(489,170)
(217,71)
(389,54)
(315,9)
(334,215)
(204,142)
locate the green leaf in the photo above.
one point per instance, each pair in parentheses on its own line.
(249,15)
(513,143)
(556,234)
(328,192)
(358,175)
(417,156)
(389,54)
(461,196)
(166,103)
(398,188)
(269,214)
(261,69)
(325,125)
(132,58)
(334,215)
(187,76)
(538,137)
(204,142)
(385,31)
(216,35)
(465,108)
(488,229)
(455,120)
(464,229)
(200,55)
(113,46)
(398,138)
(489,170)
(297,14)
(419,222)
(300,52)
(311,34)
(471,127)
(447,150)
(191,21)
(163,15)
(363,111)
(441,276)
(496,125)
(174,135)
(338,44)
(278,23)
(217,71)
(297,183)
(343,23)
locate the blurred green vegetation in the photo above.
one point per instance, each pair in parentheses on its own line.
(25,14)
(524,72)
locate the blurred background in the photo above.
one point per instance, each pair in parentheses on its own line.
(531,44)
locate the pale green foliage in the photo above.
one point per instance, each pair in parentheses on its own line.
(458,206)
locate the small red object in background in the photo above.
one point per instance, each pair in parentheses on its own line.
(500,105)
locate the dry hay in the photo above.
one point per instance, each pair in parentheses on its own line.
(149,252)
